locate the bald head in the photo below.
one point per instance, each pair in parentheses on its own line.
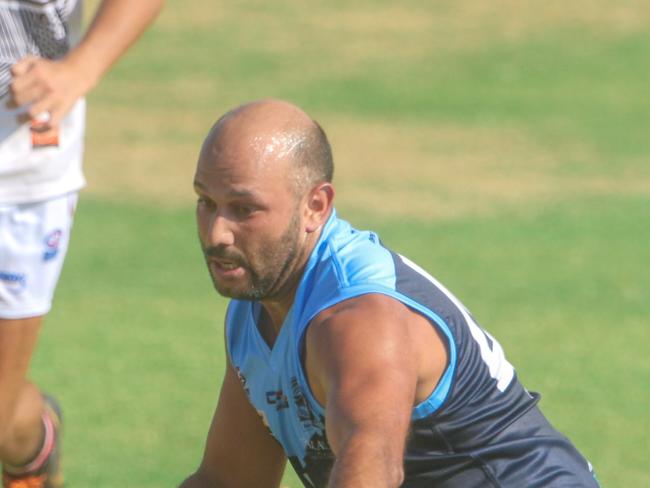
(277,134)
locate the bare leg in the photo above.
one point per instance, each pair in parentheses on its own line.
(21,404)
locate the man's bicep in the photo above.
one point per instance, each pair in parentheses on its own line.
(239,450)
(367,372)
(377,403)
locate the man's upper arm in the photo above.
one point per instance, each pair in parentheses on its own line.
(239,450)
(360,360)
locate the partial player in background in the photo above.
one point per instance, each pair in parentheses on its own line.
(44,75)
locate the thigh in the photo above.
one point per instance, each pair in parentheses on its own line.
(33,244)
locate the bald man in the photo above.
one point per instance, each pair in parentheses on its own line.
(344,357)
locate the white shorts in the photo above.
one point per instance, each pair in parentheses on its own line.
(33,242)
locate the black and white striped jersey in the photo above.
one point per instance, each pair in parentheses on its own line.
(47,29)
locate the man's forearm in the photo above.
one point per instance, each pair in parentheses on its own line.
(116,25)
(197,480)
(367,463)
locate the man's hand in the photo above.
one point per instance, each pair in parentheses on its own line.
(46,87)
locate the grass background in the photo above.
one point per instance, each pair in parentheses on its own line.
(501,145)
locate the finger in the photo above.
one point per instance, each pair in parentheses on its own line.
(38,121)
(28,76)
(38,110)
(23,117)
(56,109)
(29,80)
(40,126)
(46,113)
(26,92)
(57,112)
(23,66)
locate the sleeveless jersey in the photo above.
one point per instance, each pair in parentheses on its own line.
(45,28)
(478,428)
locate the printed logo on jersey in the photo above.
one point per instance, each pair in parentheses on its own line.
(52,242)
(314,469)
(277,398)
(305,414)
(14,282)
(318,448)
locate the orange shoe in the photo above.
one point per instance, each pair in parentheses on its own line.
(27,481)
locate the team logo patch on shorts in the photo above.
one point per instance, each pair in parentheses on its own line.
(52,241)
(14,282)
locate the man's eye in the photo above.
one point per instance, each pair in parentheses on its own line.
(242,210)
(204,202)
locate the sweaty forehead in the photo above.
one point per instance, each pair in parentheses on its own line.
(263,134)
(253,148)
(261,149)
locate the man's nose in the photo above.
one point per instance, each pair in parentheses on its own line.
(221,232)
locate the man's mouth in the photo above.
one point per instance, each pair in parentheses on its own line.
(226,269)
(226,265)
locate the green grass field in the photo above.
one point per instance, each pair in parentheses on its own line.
(501,145)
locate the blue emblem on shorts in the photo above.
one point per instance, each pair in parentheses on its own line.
(52,241)
(15,282)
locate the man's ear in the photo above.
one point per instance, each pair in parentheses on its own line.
(318,206)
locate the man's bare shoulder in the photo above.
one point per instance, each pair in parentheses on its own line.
(363,310)
(374,330)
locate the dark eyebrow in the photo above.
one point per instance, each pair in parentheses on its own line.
(232,193)
(242,194)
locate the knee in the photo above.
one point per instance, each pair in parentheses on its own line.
(20,419)
(22,431)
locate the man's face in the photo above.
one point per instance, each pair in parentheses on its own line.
(248,218)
